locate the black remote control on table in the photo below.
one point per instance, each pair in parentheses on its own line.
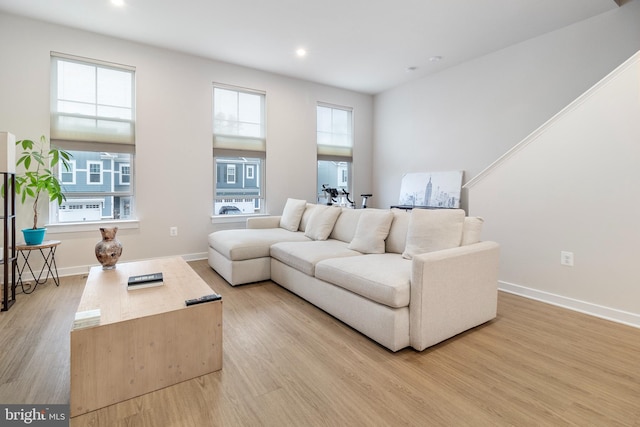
(206,298)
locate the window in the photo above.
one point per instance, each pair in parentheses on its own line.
(68,176)
(231,174)
(343,176)
(239,147)
(93,117)
(335,147)
(125,174)
(94,173)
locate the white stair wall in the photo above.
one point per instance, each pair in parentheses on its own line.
(572,185)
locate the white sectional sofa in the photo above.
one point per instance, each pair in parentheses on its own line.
(403,278)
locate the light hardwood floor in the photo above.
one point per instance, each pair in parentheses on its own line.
(287,363)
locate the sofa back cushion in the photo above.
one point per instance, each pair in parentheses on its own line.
(472,230)
(372,230)
(292,214)
(305,216)
(433,230)
(397,238)
(345,227)
(321,222)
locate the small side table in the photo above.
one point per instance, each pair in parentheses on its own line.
(48,251)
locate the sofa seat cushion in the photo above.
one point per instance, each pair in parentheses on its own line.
(383,278)
(238,245)
(303,256)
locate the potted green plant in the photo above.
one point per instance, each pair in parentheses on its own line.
(39,177)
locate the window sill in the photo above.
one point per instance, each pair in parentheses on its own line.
(73,227)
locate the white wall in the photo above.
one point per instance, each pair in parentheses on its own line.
(468,116)
(173,165)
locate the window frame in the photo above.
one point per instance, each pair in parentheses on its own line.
(231,174)
(247,149)
(123,174)
(336,154)
(90,173)
(105,141)
(72,171)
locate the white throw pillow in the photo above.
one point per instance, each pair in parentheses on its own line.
(292,213)
(433,230)
(371,231)
(321,222)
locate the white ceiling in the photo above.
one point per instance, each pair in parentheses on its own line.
(363,45)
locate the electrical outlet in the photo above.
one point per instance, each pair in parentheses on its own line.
(173,231)
(566,258)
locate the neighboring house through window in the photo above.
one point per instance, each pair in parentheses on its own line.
(93,117)
(239,147)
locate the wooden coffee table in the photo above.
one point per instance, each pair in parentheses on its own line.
(147,339)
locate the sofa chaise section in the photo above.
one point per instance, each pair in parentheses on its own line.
(242,256)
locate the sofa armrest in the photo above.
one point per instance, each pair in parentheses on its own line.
(272,221)
(452,290)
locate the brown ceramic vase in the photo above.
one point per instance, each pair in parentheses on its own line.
(109,249)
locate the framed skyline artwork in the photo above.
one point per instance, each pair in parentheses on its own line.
(433,189)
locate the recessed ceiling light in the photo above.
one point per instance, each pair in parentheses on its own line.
(301,53)
(435,58)
(119,3)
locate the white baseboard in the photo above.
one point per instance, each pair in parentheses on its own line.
(615,315)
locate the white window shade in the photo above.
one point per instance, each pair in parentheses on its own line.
(239,143)
(91,101)
(334,151)
(238,122)
(334,132)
